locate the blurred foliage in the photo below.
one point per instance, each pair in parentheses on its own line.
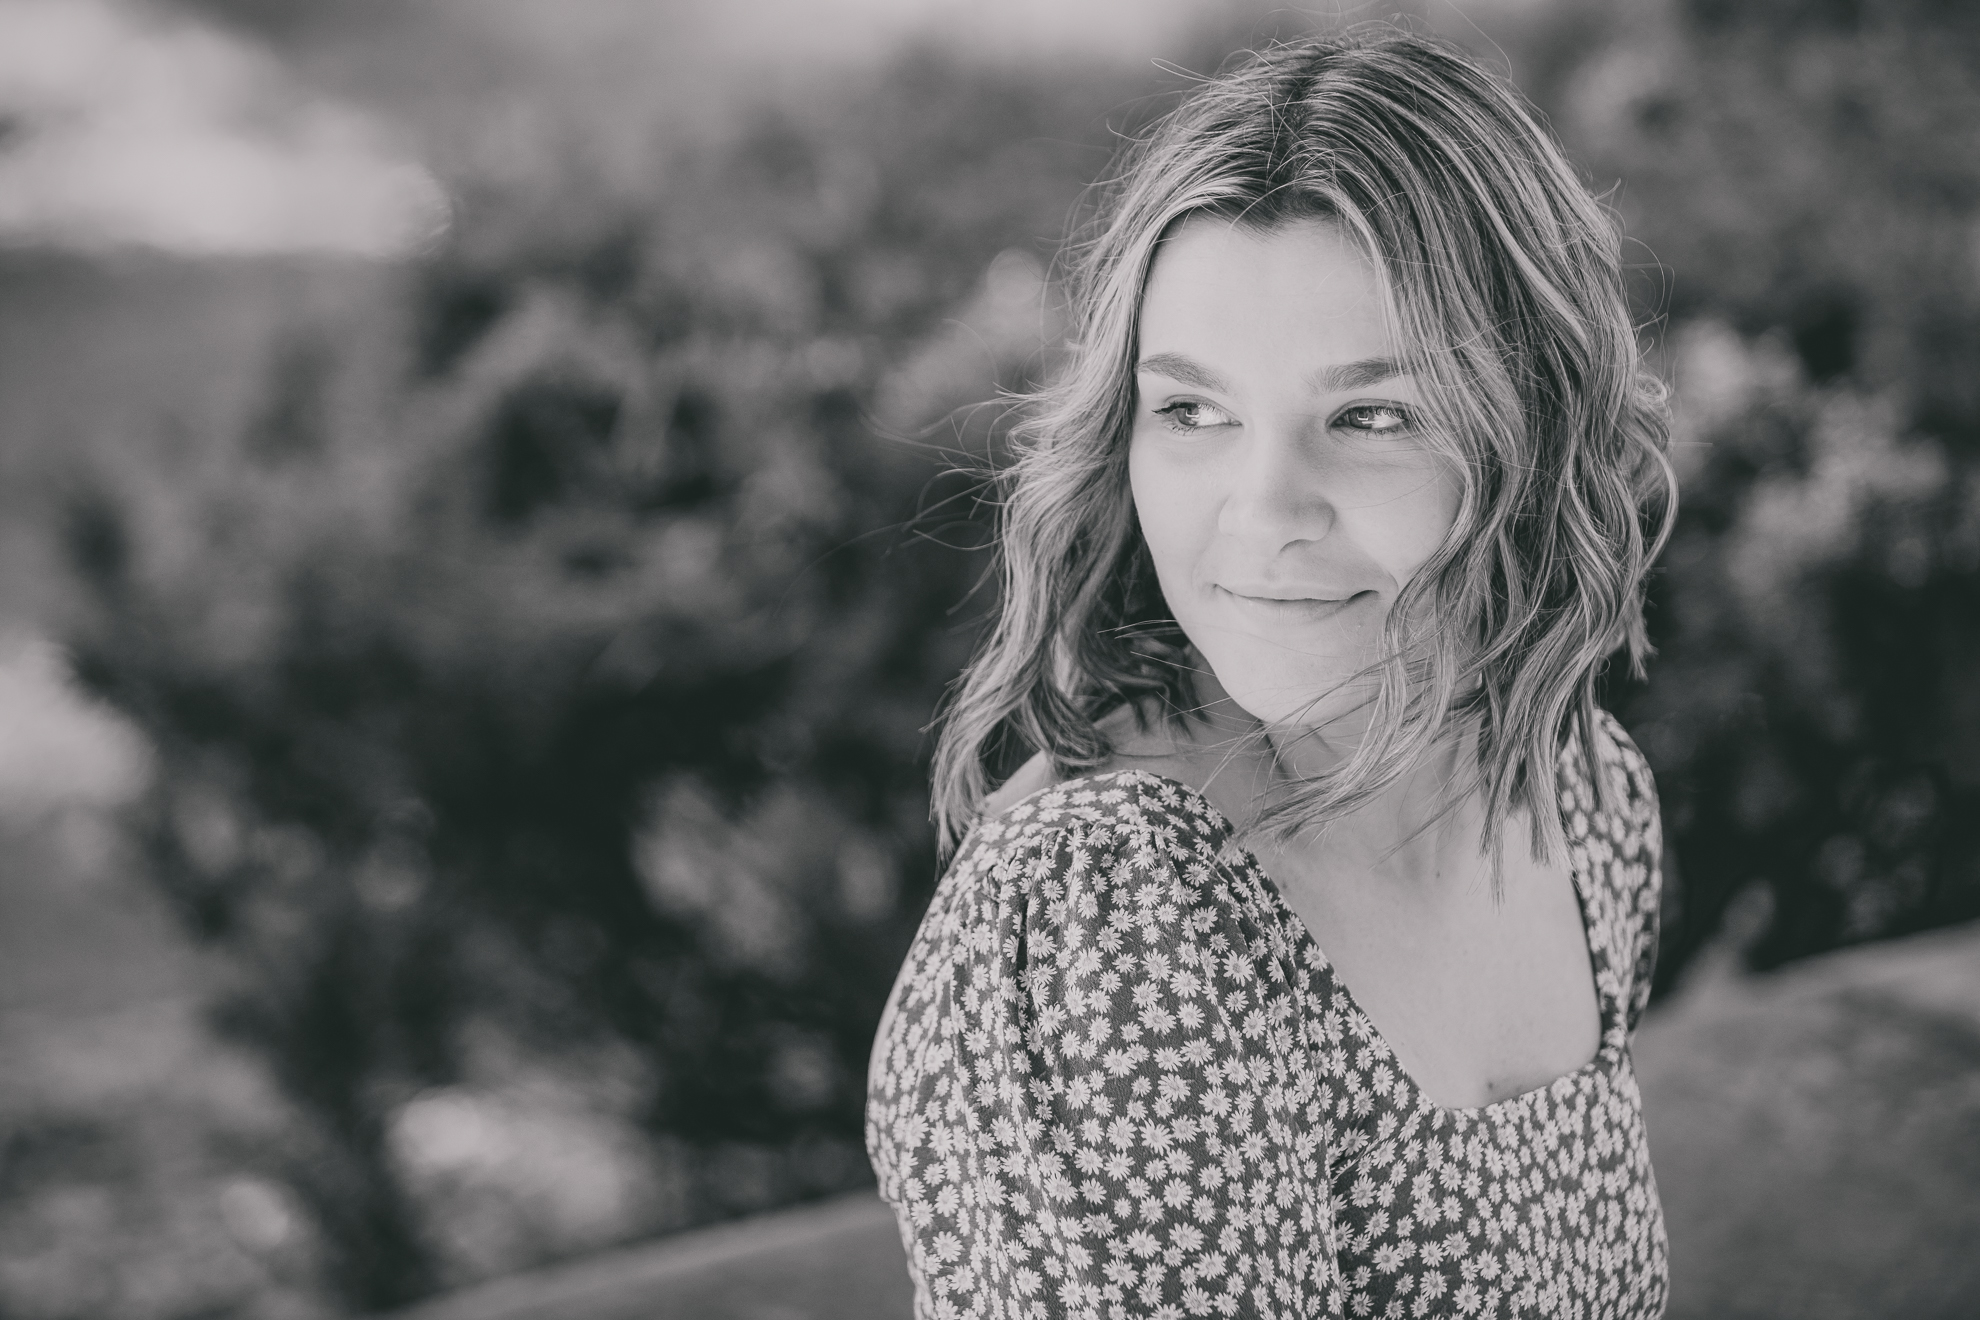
(540,719)
(541,732)
(1807,174)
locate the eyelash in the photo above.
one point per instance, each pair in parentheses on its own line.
(1173,413)
(1406,421)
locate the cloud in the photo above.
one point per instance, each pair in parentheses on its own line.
(125,129)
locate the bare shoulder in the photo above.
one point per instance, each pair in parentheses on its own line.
(1148,740)
(1138,743)
(1034,776)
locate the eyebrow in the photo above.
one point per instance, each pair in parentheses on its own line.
(1328,380)
(1355,375)
(1183,370)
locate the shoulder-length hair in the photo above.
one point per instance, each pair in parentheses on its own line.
(1505,285)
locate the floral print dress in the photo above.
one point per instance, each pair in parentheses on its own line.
(1118,1078)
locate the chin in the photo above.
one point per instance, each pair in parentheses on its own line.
(1283,685)
(1305,700)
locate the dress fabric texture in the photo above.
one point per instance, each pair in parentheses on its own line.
(1117,1077)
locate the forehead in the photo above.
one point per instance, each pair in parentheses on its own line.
(1304,289)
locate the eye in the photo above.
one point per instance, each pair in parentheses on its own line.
(1186,415)
(1376,419)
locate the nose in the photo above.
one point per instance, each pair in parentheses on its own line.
(1278,490)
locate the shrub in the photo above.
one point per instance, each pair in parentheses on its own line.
(1806,175)
(539,708)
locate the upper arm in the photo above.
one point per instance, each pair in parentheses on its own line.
(1118,1063)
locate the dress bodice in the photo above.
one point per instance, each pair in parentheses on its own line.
(1118,1078)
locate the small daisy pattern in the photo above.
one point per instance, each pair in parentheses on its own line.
(1117,1078)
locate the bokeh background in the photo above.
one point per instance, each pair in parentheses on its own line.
(486,521)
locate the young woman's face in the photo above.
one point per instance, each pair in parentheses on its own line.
(1282,483)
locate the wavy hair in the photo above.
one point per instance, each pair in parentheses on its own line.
(1504,278)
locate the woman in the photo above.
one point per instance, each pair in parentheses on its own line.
(1294,975)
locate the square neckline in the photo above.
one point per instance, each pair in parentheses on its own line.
(1608,1005)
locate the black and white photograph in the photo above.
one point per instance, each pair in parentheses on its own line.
(1065,660)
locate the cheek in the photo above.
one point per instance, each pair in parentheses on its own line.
(1177,514)
(1415,520)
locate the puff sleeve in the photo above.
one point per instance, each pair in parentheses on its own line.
(1091,1096)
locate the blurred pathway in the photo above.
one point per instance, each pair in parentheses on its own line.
(1816,1134)
(840,1260)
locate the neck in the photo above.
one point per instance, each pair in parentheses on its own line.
(1409,830)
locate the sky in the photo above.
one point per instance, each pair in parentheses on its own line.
(127,128)
(249,127)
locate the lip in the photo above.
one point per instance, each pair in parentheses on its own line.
(1289,609)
